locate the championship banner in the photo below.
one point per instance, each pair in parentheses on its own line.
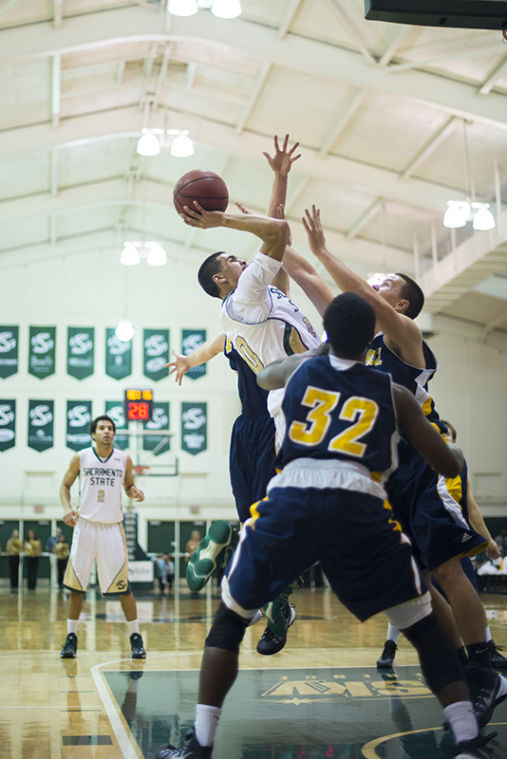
(114,409)
(160,421)
(7,424)
(41,425)
(191,339)
(79,416)
(155,353)
(41,351)
(118,355)
(80,351)
(9,348)
(194,427)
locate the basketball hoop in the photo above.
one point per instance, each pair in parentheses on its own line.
(139,470)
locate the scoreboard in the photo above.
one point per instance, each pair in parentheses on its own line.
(138,405)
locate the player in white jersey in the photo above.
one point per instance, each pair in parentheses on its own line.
(103,472)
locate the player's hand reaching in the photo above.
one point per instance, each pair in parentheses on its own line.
(197,216)
(492,550)
(281,162)
(179,367)
(314,230)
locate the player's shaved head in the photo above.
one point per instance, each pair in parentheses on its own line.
(209,267)
(350,325)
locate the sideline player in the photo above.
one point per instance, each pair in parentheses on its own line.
(340,443)
(98,531)
(462,494)
(426,509)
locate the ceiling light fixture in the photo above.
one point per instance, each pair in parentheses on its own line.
(135,251)
(226,8)
(124,331)
(148,144)
(182,7)
(182,146)
(155,254)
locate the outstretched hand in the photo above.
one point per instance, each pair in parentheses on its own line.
(179,367)
(197,216)
(281,162)
(312,224)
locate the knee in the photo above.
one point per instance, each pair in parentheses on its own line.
(448,572)
(227,631)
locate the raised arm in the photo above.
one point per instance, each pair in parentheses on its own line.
(306,276)
(280,163)
(208,350)
(401,331)
(423,436)
(276,374)
(70,515)
(274,233)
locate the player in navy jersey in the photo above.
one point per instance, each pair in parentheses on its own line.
(339,445)
(426,509)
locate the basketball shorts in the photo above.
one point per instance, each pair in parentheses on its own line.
(367,559)
(432,518)
(251,459)
(105,544)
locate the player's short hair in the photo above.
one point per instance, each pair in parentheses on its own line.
(102,418)
(413,293)
(207,270)
(451,429)
(349,321)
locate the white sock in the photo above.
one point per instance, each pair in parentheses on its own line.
(392,633)
(462,720)
(72,626)
(134,626)
(206,723)
(488,635)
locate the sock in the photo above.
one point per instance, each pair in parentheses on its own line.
(462,720)
(478,653)
(488,635)
(462,656)
(392,633)
(134,626)
(72,626)
(206,723)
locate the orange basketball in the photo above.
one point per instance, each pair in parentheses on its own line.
(206,187)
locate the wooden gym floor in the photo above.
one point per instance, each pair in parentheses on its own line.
(320,697)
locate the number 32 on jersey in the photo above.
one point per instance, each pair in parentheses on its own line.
(361,412)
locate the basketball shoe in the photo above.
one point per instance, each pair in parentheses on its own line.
(280,615)
(192,750)
(497,660)
(210,555)
(477,748)
(69,648)
(386,658)
(136,647)
(487,690)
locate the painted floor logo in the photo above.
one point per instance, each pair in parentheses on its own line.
(294,689)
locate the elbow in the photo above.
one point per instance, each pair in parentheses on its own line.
(262,379)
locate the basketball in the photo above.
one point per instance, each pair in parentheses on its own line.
(206,187)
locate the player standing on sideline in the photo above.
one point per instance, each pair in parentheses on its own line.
(426,509)
(98,531)
(340,442)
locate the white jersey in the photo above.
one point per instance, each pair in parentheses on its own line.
(262,323)
(100,485)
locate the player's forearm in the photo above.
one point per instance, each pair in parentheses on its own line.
(65,497)
(206,351)
(278,194)
(476,519)
(263,227)
(345,278)
(306,276)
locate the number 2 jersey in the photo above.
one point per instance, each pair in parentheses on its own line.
(340,427)
(100,485)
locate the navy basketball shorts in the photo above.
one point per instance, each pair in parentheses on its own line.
(429,514)
(366,558)
(251,459)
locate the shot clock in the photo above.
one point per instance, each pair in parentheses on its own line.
(138,405)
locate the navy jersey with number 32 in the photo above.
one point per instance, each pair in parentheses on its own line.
(339,409)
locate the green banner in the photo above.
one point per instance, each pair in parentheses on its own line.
(41,351)
(194,427)
(191,339)
(9,350)
(41,425)
(155,353)
(160,421)
(7,424)
(80,351)
(118,355)
(114,409)
(79,416)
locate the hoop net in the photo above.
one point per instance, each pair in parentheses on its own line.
(139,470)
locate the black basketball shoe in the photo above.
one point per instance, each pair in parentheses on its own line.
(386,658)
(281,616)
(477,748)
(487,690)
(69,648)
(191,750)
(497,660)
(136,647)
